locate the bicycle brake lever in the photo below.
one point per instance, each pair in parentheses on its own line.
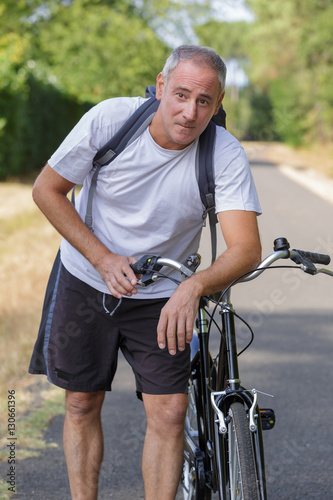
(306,265)
(146,267)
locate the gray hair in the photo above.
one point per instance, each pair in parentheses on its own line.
(203,55)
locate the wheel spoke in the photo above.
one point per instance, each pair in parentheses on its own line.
(193,467)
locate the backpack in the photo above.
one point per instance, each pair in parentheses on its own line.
(131,130)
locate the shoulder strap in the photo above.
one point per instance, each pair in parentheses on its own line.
(206,180)
(206,174)
(127,134)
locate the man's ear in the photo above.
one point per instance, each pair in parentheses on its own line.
(159,86)
(219,102)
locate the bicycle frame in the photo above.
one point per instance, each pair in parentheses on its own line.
(215,390)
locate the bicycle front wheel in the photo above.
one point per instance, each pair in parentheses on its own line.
(193,481)
(243,482)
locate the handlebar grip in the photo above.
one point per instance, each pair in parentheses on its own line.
(315,258)
(137,267)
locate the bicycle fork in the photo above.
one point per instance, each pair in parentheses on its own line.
(228,390)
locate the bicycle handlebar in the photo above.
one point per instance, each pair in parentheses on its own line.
(149,265)
(304,258)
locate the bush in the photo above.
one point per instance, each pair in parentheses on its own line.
(34,119)
(261,125)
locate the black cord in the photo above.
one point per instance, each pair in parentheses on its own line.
(251,331)
(162,275)
(212,320)
(218,303)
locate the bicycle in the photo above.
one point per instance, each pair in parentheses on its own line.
(224,450)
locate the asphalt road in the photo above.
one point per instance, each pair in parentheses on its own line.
(290,358)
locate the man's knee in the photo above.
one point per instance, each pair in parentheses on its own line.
(83,404)
(166,411)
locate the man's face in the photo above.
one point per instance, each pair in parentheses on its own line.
(189,99)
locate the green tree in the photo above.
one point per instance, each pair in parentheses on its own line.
(57,59)
(287,53)
(96,52)
(229,40)
(27,133)
(174,20)
(291,54)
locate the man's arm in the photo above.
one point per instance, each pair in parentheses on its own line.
(243,253)
(50,195)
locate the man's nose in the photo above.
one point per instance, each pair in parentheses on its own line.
(190,111)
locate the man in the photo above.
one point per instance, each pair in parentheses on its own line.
(146,201)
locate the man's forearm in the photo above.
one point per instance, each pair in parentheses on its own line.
(50,194)
(241,235)
(229,266)
(62,215)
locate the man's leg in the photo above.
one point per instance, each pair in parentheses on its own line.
(83,442)
(164,444)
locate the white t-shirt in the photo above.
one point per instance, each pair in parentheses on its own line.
(147,200)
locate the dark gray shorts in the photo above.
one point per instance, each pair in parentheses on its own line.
(80,348)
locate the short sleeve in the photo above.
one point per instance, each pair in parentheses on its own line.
(73,159)
(234,183)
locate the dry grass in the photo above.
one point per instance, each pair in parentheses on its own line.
(28,245)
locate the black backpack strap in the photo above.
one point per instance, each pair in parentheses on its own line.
(127,134)
(206,180)
(220,118)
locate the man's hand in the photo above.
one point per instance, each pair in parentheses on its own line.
(175,327)
(116,272)
(243,253)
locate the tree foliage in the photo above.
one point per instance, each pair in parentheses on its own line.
(59,58)
(287,52)
(102,54)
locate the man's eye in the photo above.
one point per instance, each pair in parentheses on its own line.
(203,101)
(180,95)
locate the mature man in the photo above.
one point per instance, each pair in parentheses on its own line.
(147,201)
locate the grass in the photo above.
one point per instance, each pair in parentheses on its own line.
(28,245)
(4,493)
(31,425)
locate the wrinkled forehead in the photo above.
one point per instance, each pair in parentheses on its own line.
(200,75)
(188,66)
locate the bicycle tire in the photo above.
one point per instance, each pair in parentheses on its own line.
(242,477)
(193,476)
